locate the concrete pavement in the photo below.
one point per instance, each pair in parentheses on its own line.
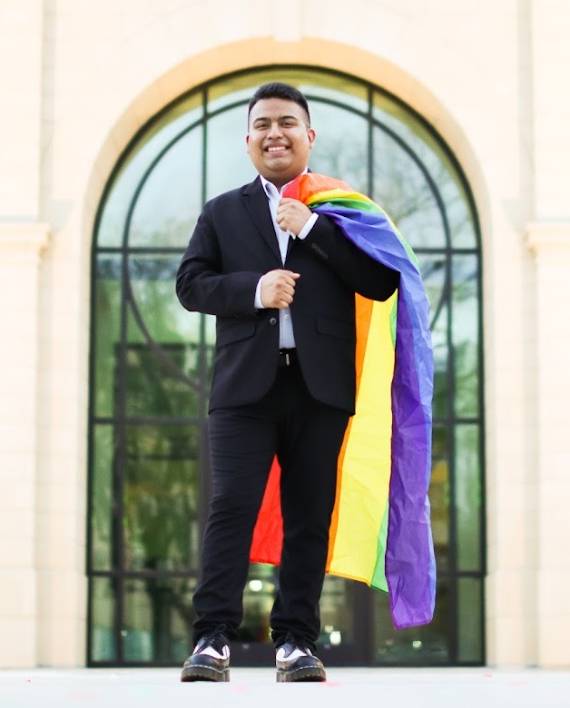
(349,688)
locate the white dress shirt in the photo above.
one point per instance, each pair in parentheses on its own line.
(286,337)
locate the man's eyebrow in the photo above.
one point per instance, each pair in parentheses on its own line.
(264,118)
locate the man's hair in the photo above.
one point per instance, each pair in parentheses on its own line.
(275,89)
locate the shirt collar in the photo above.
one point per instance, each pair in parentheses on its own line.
(270,189)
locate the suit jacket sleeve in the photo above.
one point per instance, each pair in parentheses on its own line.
(201,284)
(354,267)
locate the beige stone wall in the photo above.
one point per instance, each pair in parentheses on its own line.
(82,77)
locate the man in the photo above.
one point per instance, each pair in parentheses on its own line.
(281,282)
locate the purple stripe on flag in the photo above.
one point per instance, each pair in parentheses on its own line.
(410,559)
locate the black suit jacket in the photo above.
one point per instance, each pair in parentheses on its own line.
(233,245)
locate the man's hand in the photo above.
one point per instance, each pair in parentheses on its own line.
(278,288)
(292,215)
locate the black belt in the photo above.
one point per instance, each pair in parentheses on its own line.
(287,357)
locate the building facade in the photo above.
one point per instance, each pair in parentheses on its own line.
(120,120)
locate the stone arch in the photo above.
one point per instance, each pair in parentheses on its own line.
(254,53)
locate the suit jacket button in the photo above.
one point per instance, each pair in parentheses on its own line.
(273,321)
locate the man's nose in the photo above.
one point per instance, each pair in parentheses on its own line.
(275,129)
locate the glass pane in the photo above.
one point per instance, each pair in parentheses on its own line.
(107,317)
(167,208)
(158,383)
(127,179)
(434,274)
(401,188)
(161,497)
(337,626)
(441,392)
(442,170)
(163,357)
(158,620)
(459,214)
(337,612)
(311,83)
(152,279)
(257,603)
(228,164)
(103,641)
(333,88)
(439,497)
(465,335)
(419,646)
(341,146)
(470,620)
(101,518)
(468,497)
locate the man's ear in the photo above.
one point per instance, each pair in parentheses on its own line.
(247,142)
(312,135)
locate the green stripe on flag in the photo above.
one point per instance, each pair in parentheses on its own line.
(379,576)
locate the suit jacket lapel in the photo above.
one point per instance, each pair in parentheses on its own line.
(257,205)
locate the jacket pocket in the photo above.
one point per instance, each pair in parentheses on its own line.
(335,328)
(231,331)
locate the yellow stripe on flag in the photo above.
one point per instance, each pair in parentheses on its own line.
(367,457)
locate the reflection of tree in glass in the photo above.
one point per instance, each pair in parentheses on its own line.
(342,156)
(465,334)
(168,233)
(398,180)
(172,335)
(401,187)
(160,512)
(402,190)
(101,509)
(160,497)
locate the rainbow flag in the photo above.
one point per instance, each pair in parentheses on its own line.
(380,532)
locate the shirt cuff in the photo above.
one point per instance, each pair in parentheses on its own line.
(257,301)
(304,232)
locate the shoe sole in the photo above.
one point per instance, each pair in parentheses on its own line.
(204,673)
(305,674)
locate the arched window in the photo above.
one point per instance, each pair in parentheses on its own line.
(150,369)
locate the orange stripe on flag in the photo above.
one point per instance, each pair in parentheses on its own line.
(363,317)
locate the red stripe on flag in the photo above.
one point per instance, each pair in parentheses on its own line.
(268,532)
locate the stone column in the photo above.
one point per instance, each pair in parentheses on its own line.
(21,245)
(551,244)
(549,238)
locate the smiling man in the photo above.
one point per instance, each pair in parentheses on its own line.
(281,282)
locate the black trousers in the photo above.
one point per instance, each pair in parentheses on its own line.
(307,436)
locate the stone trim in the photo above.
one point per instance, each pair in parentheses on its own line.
(548,235)
(23,240)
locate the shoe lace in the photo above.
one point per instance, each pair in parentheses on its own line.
(296,643)
(215,638)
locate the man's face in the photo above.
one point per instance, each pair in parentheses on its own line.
(279,140)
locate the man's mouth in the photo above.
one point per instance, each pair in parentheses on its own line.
(276,149)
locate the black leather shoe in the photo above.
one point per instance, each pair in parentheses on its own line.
(210,660)
(296,662)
